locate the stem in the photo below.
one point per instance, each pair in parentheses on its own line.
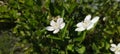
(66,51)
(83,36)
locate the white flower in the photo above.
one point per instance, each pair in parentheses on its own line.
(104,18)
(1,3)
(115,49)
(56,26)
(87,23)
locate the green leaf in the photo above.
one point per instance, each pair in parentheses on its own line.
(107,45)
(63,13)
(29,2)
(22,33)
(109,31)
(11,1)
(3,9)
(81,37)
(61,52)
(22,1)
(70,47)
(80,50)
(95,48)
(53,37)
(118,28)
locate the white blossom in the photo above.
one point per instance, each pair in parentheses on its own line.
(55,26)
(104,18)
(1,3)
(115,48)
(87,24)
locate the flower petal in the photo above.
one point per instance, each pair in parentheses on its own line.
(91,25)
(95,19)
(118,45)
(113,47)
(60,20)
(80,29)
(117,52)
(56,31)
(50,28)
(79,24)
(52,23)
(62,25)
(87,18)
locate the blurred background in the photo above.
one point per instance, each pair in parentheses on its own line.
(23,22)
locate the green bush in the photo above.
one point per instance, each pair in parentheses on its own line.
(27,20)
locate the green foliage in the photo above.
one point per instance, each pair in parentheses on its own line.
(7,42)
(27,20)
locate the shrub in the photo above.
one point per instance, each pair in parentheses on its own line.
(27,20)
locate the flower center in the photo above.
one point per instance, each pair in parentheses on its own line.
(86,24)
(117,49)
(56,26)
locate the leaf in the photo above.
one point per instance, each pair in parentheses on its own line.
(53,37)
(109,32)
(95,48)
(80,50)
(29,2)
(70,47)
(61,52)
(11,1)
(22,33)
(70,7)
(107,45)
(118,28)
(21,1)
(81,37)
(3,9)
